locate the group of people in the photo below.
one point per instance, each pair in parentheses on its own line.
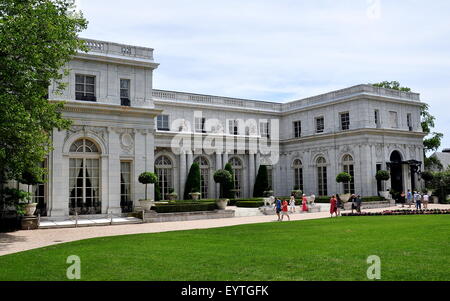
(336,204)
(416,197)
(282,208)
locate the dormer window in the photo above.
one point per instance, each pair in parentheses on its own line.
(85,87)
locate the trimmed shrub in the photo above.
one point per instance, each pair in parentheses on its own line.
(184,207)
(147,178)
(261,182)
(223,177)
(192,181)
(249,204)
(229,187)
(382,175)
(343,177)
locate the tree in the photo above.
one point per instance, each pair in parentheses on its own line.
(261,182)
(192,181)
(37,38)
(229,187)
(433,139)
(223,177)
(147,178)
(440,183)
(31,177)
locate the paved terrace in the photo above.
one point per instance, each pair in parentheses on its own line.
(25,240)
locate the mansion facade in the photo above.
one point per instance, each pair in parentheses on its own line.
(123,127)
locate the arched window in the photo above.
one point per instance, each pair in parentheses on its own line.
(84,178)
(164,170)
(298,174)
(348,167)
(204,175)
(236,164)
(322,176)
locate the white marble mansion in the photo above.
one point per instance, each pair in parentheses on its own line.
(122,127)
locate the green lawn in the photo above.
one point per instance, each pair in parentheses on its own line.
(410,248)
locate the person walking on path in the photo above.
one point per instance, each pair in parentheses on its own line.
(417,198)
(425,200)
(358,203)
(292,203)
(304,203)
(278,208)
(338,205)
(284,210)
(333,206)
(402,198)
(409,198)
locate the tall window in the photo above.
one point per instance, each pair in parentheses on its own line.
(322,176)
(126,202)
(84,178)
(345,121)
(162,122)
(298,174)
(236,164)
(347,161)
(85,87)
(393,119)
(39,193)
(320,124)
(297,128)
(377,118)
(264,129)
(125,92)
(409,121)
(204,175)
(200,124)
(233,128)
(163,167)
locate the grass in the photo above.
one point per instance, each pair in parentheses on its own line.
(410,248)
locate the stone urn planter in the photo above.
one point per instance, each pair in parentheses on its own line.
(384,194)
(345,197)
(172,196)
(30,209)
(195,195)
(268,193)
(222,203)
(146,204)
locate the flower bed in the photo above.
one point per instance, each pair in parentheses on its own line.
(400,212)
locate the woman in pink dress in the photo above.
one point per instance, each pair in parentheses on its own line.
(304,203)
(333,205)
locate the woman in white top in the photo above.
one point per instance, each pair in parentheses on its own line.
(292,203)
(425,198)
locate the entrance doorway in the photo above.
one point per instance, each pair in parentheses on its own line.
(396,172)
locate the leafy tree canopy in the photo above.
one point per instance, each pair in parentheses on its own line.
(37,38)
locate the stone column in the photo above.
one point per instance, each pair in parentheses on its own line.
(182,174)
(59,201)
(225,159)
(251,172)
(218,166)
(190,160)
(112,203)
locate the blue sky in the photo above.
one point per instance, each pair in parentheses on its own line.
(283,50)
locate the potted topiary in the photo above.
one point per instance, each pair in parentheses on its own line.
(268,192)
(30,177)
(344,177)
(147,178)
(383,175)
(223,177)
(172,195)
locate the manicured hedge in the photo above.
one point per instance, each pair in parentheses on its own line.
(400,212)
(249,204)
(184,207)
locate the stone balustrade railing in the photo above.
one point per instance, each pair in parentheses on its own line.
(288,106)
(119,49)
